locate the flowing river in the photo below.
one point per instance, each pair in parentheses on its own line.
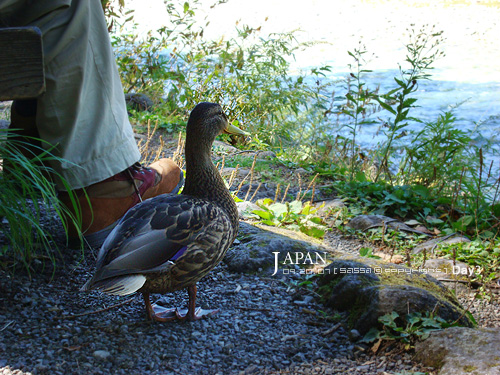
(469,73)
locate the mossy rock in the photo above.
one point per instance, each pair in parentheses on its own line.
(369,289)
(139,102)
(461,351)
(255,248)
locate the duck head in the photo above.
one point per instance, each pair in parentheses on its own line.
(207,121)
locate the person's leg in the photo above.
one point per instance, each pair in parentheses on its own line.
(83,110)
(83,114)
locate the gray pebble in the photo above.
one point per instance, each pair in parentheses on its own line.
(102,355)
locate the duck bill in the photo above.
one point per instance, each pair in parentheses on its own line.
(231,129)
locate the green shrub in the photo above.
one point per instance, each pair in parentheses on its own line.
(27,193)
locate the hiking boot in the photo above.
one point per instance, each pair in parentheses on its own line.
(104,203)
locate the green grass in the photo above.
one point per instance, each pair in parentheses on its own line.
(27,193)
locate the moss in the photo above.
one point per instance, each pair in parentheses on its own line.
(469,368)
(365,285)
(253,254)
(414,279)
(356,312)
(325,291)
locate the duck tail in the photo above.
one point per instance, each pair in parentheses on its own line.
(118,286)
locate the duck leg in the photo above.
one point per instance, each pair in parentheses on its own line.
(162,314)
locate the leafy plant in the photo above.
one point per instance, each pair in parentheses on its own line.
(248,74)
(423,50)
(368,253)
(292,215)
(441,175)
(27,193)
(483,256)
(360,102)
(407,329)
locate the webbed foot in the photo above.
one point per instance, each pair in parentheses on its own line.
(163,314)
(159,313)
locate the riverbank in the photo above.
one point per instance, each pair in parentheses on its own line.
(267,325)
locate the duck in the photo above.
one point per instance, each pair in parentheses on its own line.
(170,242)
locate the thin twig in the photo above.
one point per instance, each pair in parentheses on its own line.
(309,186)
(241,184)
(255,192)
(223,162)
(312,194)
(285,193)
(97,311)
(300,187)
(277,194)
(160,149)
(253,308)
(233,175)
(251,177)
(7,325)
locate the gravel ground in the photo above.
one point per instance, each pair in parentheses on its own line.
(265,326)
(485,307)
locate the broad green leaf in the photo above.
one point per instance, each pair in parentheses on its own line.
(236,199)
(421,190)
(365,251)
(295,206)
(372,335)
(466,220)
(278,209)
(316,220)
(266,215)
(313,231)
(269,222)
(386,106)
(400,83)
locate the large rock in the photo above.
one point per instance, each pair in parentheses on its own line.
(138,101)
(365,222)
(448,269)
(462,351)
(224,147)
(369,289)
(430,245)
(255,248)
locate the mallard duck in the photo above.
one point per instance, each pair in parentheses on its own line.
(170,242)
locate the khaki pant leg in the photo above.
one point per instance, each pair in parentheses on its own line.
(83,112)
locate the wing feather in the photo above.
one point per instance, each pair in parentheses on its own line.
(152,233)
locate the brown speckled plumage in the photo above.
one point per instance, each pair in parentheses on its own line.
(142,252)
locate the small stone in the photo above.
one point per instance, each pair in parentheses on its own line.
(138,101)
(228,171)
(102,355)
(432,244)
(326,206)
(267,155)
(354,335)
(245,208)
(300,171)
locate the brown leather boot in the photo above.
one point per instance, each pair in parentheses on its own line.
(104,203)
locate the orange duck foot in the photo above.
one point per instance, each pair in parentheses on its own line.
(161,314)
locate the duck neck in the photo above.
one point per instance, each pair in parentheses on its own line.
(204,181)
